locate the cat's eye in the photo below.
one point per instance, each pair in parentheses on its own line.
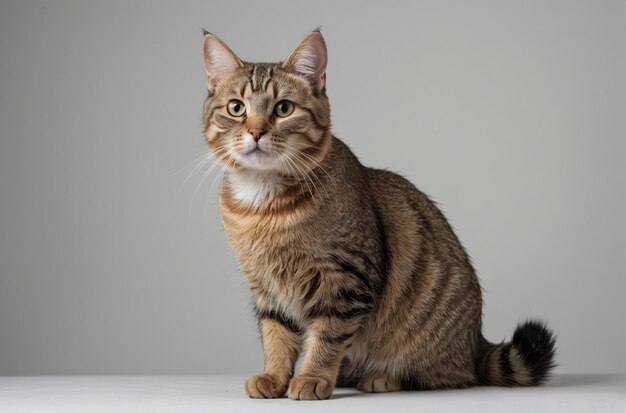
(236,107)
(283,108)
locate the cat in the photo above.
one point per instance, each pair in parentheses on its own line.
(353,266)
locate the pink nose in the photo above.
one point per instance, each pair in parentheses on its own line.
(256,133)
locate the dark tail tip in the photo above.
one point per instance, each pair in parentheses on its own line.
(536,344)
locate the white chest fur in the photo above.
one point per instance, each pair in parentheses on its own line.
(254,187)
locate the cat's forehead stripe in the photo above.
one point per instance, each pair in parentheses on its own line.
(242,91)
(253,76)
(261,74)
(268,79)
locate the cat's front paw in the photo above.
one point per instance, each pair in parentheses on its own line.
(309,388)
(264,386)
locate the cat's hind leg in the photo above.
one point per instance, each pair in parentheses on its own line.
(378,383)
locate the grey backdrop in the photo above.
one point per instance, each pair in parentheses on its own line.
(510,114)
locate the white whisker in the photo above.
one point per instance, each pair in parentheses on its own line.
(294,172)
(200,158)
(299,166)
(219,175)
(311,172)
(202,161)
(218,152)
(318,164)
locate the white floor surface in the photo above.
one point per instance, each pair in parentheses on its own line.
(564,393)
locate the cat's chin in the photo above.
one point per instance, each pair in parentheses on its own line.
(259,160)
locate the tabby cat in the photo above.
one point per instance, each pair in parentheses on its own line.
(350,265)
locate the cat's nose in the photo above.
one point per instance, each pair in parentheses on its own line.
(256,133)
(257,126)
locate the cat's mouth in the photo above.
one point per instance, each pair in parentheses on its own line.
(258,157)
(256,150)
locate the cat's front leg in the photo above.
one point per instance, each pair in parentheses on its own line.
(328,338)
(281,345)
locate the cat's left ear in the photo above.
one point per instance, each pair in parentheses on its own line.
(309,59)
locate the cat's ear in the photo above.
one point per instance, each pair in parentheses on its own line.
(219,60)
(309,59)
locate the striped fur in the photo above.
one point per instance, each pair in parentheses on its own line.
(351,267)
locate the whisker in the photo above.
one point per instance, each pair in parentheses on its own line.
(300,166)
(229,162)
(206,174)
(219,176)
(202,157)
(196,169)
(311,172)
(318,164)
(302,162)
(203,161)
(300,175)
(285,162)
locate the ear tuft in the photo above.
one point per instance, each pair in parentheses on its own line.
(219,61)
(309,59)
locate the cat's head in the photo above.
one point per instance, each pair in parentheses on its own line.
(267,117)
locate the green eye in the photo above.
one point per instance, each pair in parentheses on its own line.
(236,108)
(283,108)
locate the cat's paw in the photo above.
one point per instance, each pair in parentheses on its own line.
(264,386)
(309,388)
(378,384)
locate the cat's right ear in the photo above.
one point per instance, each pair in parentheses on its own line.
(219,61)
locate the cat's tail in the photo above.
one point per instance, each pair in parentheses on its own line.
(525,361)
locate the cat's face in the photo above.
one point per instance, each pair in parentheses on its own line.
(273,118)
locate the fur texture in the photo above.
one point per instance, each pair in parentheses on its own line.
(352,266)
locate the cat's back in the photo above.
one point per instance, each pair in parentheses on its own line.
(405,209)
(431,289)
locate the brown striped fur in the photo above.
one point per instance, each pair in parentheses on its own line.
(352,267)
